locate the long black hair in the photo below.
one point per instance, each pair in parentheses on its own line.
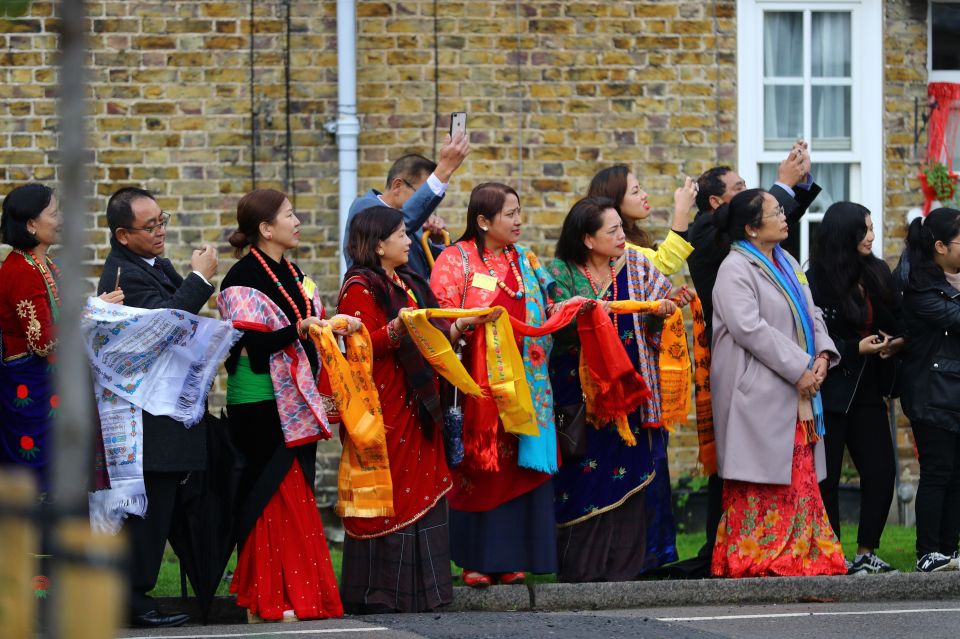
(941,225)
(841,271)
(611,183)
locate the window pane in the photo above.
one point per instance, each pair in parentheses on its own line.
(945,33)
(830,50)
(783,44)
(831,118)
(833,178)
(782,116)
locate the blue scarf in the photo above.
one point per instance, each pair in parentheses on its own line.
(783,276)
(537,452)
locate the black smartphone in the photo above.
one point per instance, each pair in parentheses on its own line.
(458,123)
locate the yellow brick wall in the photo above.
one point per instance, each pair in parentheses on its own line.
(554,91)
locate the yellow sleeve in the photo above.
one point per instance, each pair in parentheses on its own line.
(669,257)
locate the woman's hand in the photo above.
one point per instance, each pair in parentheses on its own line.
(808,385)
(464,323)
(113,297)
(588,304)
(894,344)
(685,197)
(821,365)
(666,308)
(873,344)
(303,326)
(682,296)
(346,324)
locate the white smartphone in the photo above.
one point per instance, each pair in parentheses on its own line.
(458,123)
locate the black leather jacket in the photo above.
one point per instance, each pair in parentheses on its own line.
(847,380)
(931,358)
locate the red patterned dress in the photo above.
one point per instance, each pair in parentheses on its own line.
(28,308)
(777,530)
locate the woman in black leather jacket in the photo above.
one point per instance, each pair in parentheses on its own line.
(930,273)
(861,307)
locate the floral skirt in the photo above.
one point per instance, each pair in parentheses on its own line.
(773,529)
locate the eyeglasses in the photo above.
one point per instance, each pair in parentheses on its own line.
(412,187)
(152,229)
(780,213)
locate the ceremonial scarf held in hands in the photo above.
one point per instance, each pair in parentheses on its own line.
(364,484)
(391,298)
(707,454)
(299,402)
(616,385)
(810,413)
(160,361)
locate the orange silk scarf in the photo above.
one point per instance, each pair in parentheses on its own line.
(364,485)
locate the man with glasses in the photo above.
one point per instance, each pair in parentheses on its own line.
(170,450)
(416,186)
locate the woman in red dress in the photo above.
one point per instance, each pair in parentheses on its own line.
(276,417)
(399,563)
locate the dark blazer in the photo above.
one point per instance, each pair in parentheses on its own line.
(706,258)
(931,356)
(167,445)
(416,211)
(865,378)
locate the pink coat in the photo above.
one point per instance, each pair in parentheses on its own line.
(756,362)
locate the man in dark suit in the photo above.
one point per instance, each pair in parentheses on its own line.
(416,186)
(795,192)
(170,450)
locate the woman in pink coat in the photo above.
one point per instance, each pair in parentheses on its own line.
(771,352)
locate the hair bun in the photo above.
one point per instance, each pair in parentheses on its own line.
(238,239)
(721,217)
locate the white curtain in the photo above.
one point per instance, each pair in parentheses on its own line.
(782,58)
(831,58)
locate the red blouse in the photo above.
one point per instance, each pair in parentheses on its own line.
(417,464)
(26,319)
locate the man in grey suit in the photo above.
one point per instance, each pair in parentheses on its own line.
(170,450)
(416,186)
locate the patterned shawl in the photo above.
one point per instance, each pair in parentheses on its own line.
(299,403)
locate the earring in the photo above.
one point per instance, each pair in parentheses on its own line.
(753,235)
(380,252)
(484,229)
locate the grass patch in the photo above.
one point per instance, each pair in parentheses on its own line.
(896,547)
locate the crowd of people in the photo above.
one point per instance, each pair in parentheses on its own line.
(522,410)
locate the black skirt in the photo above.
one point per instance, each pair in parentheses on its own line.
(405,571)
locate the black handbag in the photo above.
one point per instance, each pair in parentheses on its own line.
(571,423)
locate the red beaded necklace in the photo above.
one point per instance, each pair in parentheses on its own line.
(47,273)
(596,289)
(283,291)
(518,294)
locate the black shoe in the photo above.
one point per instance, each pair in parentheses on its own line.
(154,619)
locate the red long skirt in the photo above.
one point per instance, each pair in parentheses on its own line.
(284,563)
(772,529)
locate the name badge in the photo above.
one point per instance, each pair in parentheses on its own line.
(309,286)
(802,278)
(483,281)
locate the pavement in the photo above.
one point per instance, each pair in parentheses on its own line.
(667,593)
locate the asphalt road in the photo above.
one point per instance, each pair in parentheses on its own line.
(886,620)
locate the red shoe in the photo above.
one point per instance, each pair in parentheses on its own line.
(510,578)
(476,579)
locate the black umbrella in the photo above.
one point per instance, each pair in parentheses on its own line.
(203,533)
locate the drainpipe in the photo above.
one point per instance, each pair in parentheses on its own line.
(346,127)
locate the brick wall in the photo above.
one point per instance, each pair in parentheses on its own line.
(554,91)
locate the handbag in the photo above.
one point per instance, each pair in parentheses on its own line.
(453,416)
(571,423)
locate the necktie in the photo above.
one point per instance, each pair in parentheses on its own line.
(159,270)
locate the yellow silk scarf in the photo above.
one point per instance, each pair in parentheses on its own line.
(505,373)
(364,485)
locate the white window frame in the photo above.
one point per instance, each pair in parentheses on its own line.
(937,76)
(866,150)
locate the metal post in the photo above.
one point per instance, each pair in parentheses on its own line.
(348,125)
